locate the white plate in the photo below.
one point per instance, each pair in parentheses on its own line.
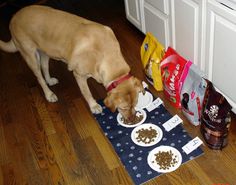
(134,134)
(144,100)
(156,167)
(142,112)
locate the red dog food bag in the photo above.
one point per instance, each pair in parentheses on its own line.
(174,71)
(215,119)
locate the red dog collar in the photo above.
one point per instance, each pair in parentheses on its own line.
(118,81)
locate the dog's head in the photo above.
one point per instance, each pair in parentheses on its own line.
(125,97)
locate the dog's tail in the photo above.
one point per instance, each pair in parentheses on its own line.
(8,46)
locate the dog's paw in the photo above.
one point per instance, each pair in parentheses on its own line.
(52,81)
(96,109)
(52,97)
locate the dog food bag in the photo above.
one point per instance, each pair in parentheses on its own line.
(151,54)
(174,69)
(215,119)
(192,94)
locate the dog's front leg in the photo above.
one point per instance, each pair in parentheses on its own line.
(44,60)
(83,85)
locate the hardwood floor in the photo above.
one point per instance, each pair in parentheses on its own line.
(60,143)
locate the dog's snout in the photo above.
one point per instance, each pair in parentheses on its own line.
(132,118)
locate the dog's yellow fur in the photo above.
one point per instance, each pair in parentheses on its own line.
(89,49)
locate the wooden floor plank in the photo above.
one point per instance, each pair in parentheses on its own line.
(21,168)
(67,162)
(32,141)
(93,130)
(163,179)
(60,126)
(61,143)
(8,174)
(180,176)
(42,111)
(93,161)
(120,176)
(199,174)
(1,175)
(3,154)
(211,165)
(79,123)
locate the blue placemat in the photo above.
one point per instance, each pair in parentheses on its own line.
(134,157)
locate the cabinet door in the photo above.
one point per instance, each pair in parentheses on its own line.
(221,44)
(187,29)
(157,21)
(161,5)
(133,9)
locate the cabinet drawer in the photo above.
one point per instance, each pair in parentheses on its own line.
(161,5)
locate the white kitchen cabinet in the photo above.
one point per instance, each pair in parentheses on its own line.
(186,30)
(220,61)
(203,31)
(156,20)
(134,14)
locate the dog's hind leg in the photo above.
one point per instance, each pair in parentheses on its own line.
(32,59)
(44,60)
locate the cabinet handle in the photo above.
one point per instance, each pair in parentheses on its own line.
(227,6)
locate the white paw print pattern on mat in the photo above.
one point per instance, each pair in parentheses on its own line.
(156,113)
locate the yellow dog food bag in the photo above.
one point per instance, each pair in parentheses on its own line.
(152,52)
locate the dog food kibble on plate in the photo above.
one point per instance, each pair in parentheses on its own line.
(146,135)
(165,159)
(138,118)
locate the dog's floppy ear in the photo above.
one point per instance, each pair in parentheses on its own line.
(139,85)
(109,102)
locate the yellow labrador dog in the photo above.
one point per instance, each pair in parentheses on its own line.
(89,49)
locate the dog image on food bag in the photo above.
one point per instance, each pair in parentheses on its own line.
(88,48)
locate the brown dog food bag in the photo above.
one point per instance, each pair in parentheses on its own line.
(215,118)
